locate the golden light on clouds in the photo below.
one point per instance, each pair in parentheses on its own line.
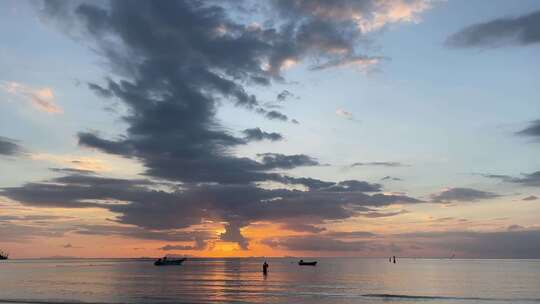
(99,162)
(392,11)
(40,98)
(75,162)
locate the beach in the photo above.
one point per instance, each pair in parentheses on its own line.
(333,280)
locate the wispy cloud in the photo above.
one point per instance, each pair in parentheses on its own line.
(462,195)
(40,98)
(521,30)
(75,162)
(363,63)
(526,179)
(345,114)
(378,164)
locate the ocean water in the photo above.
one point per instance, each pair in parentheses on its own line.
(333,280)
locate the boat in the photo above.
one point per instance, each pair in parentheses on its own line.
(304,263)
(168,262)
(3,255)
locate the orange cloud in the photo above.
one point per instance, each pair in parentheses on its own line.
(76,162)
(393,11)
(41,98)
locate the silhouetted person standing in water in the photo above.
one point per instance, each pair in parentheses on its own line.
(394,259)
(265,268)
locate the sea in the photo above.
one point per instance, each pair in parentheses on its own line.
(240,280)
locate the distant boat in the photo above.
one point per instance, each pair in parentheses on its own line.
(169,262)
(3,255)
(303,263)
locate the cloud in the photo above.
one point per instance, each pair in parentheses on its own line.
(462,195)
(533,130)
(351,234)
(364,63)
(518,242)
(281,161)
(378,163)
(41,98)
(355,185)
(178,247)
(375,214)
(526,179)
(330,241)
(530,179)
(330,31)
(232,234)
(345,114)
(284,96)
(365,16)
(9,147)
(198,237)
(198,244)
(497,176)
(20,233)
(172,83)
(256,134)
(523,30)
(300,227)
(156,213)
(310,183)
(514,227)
(100,91)
(530,198)
(275,115)
(41,218)
(71,171)
(522,243)
(316,244)
(76,163)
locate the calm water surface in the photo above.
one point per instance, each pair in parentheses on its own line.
(334,280)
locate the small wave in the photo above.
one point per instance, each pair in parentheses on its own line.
(421,297)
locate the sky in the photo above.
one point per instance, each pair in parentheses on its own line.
(362,128)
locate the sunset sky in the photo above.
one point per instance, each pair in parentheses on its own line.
(270,128)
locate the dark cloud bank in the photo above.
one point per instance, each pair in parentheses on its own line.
(171,64)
